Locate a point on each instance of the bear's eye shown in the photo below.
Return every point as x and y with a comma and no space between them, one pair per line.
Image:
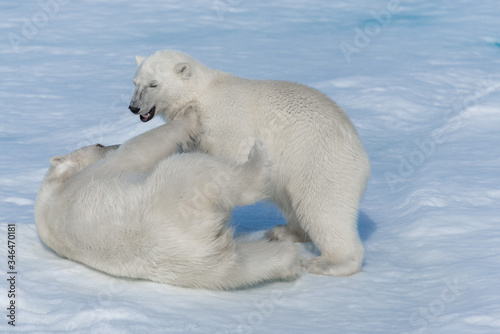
153,84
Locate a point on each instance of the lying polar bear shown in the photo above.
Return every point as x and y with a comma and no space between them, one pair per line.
142,211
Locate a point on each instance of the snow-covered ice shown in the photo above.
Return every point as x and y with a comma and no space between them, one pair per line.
421,82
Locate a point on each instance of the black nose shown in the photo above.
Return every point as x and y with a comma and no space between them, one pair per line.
134,109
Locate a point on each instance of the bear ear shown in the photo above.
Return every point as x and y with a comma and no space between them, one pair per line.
57,160
139,60
183,70
62,167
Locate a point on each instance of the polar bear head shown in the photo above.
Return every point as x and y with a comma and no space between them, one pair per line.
65,166
165,83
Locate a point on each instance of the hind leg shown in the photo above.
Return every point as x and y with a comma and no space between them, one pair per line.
332,226
326,209
333,230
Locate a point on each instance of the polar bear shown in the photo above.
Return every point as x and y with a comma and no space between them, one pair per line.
142,211
320,167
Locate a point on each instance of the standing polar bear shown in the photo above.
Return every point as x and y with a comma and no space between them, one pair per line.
319,166
133,211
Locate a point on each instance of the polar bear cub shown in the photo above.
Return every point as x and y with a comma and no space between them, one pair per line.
320,167
141,211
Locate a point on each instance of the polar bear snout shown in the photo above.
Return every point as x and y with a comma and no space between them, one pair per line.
145,117
133,109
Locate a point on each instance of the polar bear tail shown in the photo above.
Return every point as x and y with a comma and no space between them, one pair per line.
259,261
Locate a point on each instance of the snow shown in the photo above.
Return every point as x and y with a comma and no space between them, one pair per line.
421,82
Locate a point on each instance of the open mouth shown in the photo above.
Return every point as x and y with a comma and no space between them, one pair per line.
149,116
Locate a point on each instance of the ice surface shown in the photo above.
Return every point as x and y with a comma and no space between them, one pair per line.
421,82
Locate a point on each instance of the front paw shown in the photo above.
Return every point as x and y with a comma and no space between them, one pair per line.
323,266
278,233
283,232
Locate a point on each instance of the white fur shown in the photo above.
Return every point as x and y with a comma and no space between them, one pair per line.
142,211
320,168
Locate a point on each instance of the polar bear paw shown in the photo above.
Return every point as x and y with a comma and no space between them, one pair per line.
323,266
288,260
277,233
283,232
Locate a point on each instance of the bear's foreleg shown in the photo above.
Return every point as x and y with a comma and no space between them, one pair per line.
143,152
